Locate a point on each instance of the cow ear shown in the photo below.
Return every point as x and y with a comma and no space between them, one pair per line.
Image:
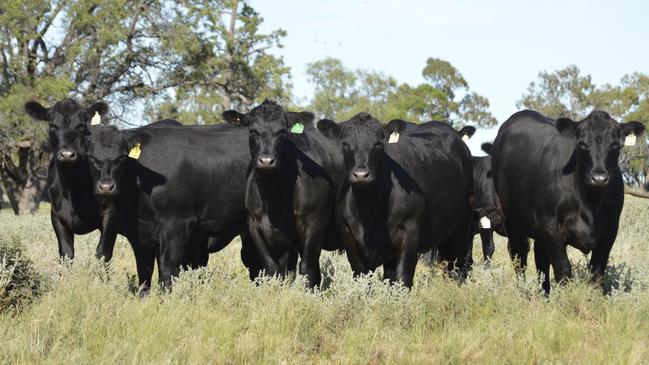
394,126
468,131
139,137
37,111
634,127
306,118
234,117
99,107
329,128
487,148
566,125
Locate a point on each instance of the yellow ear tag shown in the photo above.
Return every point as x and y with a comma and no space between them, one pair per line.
394,137
96,119
630,140
135,152
465,138
485,223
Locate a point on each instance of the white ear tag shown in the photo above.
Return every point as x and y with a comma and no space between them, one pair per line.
96,119
394,137
485,223
465,138
630,140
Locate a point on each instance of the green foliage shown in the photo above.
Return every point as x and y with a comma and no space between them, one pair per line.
225,62
215,315
20,283
341,93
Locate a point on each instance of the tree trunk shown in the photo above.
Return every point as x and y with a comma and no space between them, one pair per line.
26,182
229,57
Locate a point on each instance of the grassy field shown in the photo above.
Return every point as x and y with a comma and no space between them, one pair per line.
85,313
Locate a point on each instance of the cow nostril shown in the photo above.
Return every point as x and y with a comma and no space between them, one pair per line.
361,174
106,187
266,161
600,178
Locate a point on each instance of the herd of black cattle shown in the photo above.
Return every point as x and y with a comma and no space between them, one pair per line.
385,193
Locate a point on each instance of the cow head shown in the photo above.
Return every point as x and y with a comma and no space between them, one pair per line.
68,126
598,141
269,126
362,140
108,150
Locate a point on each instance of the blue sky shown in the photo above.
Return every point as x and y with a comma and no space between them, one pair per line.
498,46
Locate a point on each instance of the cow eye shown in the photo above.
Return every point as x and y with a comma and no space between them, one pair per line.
583,146
345,146
54,127
615,145
378,144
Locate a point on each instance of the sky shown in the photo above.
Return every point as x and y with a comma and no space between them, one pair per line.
498,46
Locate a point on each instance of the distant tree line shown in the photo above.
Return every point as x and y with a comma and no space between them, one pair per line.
191,59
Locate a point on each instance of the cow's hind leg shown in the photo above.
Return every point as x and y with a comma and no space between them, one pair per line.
457,249
250,256
174,239
542,265
518,246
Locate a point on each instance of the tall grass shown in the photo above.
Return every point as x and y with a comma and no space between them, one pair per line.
87,314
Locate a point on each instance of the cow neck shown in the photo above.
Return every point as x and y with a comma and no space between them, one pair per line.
593,197
371,201
75,177
273,185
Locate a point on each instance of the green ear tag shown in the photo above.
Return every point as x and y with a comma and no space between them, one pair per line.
297,128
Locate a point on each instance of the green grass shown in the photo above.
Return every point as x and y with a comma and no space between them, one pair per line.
86,313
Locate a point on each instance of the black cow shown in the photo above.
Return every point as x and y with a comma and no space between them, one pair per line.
191,188
407,190
74,207
559,182
488,216
291,190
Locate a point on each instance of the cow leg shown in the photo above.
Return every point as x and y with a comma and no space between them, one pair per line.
487,238
429,258
200,257
542,265
310,259
518,246
407,260
250,256
109,224
144,259
174,241
457,249
390,270
64,237
600,255
263,253
556,250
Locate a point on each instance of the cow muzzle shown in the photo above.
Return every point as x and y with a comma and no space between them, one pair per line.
598,179
66,155
266,162
106,188
360,176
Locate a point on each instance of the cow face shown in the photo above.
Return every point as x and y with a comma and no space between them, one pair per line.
269,126
598,141
362,140
68,126
108,151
